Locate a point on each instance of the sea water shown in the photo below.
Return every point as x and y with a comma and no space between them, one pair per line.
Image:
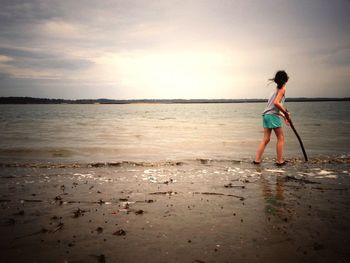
158,132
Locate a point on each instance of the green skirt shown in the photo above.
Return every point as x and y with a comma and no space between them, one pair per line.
271,121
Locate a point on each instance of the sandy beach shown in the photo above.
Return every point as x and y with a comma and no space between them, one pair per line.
191,211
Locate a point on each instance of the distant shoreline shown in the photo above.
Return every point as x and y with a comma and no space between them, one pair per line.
31,100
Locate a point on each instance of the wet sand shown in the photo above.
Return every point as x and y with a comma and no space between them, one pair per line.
191,211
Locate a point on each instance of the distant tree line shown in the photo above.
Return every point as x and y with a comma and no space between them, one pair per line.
31,100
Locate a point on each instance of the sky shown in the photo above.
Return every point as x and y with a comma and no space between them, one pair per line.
169,49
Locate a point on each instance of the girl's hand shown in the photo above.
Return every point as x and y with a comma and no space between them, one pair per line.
287,118
286,121
287,115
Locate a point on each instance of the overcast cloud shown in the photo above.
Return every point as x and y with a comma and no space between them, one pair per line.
173,49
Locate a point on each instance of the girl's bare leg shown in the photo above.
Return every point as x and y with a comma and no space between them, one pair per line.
280,143
262,145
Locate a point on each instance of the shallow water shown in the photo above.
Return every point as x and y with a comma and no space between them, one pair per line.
149,132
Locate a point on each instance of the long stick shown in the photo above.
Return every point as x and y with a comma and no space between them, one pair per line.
299,139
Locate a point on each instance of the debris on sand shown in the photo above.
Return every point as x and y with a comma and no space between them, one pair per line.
146,201
58,199
211,193
330,188
97,165
57,228
32,200
290,178
79,212
230,185
139,212
120,232
164,193
99,230
203,161
168,181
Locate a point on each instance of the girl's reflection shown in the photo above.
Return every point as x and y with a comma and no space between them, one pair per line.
275,205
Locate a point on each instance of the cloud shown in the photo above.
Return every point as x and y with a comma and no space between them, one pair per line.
60,29
39,64
190,49
4,59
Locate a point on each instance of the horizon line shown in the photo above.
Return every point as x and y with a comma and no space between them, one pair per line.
35,100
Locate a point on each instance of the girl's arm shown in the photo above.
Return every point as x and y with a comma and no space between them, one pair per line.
277,102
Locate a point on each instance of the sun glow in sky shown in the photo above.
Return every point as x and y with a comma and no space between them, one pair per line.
189,72
173,49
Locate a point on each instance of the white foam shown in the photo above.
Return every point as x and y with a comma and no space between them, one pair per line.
149,171
309,174
324,172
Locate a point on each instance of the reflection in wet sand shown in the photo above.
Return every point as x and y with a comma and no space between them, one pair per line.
274,195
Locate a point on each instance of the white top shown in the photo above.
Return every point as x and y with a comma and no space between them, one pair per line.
271,108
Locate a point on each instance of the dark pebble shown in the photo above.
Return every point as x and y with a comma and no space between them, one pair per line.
99,230
120,232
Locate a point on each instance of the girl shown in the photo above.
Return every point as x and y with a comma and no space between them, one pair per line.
271,119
